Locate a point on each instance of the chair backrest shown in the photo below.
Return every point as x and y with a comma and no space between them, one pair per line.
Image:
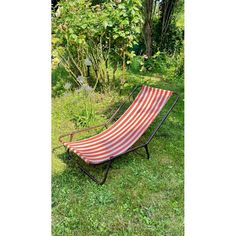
127,129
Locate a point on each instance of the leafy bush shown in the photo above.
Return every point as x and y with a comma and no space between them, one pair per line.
167,66
86,115
103,33
108,33
136,64
60,77
173,42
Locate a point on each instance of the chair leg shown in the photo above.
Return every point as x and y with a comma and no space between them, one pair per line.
146,148
68,156
100,182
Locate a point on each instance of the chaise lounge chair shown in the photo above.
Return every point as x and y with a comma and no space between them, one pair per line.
119,138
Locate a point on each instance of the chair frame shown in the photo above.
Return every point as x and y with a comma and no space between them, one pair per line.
105,125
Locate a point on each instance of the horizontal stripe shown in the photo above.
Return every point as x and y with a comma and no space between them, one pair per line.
121,131
118,124
119,137
128,130
123,144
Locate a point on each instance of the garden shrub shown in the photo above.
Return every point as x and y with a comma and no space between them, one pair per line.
103,33
166,65
60,77
108,33
136,64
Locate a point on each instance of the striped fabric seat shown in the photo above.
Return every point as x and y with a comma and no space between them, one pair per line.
119,137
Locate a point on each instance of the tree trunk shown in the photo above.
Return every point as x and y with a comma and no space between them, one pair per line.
147,29
166,12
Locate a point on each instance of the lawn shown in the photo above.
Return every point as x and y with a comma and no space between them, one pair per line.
140,196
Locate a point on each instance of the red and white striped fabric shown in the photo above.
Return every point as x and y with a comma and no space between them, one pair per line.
125,131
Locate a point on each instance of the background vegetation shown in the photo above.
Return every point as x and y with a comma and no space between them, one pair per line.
122,44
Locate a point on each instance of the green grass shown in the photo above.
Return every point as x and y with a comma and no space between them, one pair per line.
140,196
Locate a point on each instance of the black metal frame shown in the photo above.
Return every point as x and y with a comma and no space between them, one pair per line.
109,161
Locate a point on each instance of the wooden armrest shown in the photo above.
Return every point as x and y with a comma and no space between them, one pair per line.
71,134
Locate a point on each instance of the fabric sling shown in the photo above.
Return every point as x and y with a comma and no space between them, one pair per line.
119,137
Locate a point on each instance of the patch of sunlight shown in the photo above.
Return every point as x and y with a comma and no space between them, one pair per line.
57,166
173,119
155,78
180,21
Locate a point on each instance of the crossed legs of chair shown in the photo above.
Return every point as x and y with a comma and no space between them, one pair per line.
100,182
108,165
85,171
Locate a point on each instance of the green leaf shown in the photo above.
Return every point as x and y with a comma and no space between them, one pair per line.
105,24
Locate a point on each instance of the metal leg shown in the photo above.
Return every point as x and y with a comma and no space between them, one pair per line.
93,177
146,148
68,156
101,182
106,172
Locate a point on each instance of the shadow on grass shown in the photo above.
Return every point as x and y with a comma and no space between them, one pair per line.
72,170
119,165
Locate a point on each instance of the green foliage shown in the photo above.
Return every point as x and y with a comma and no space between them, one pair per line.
87,114
173,42
136,64
109,34
60,77
174,36
168,67
103,33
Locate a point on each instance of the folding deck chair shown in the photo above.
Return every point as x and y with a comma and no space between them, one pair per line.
119,138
